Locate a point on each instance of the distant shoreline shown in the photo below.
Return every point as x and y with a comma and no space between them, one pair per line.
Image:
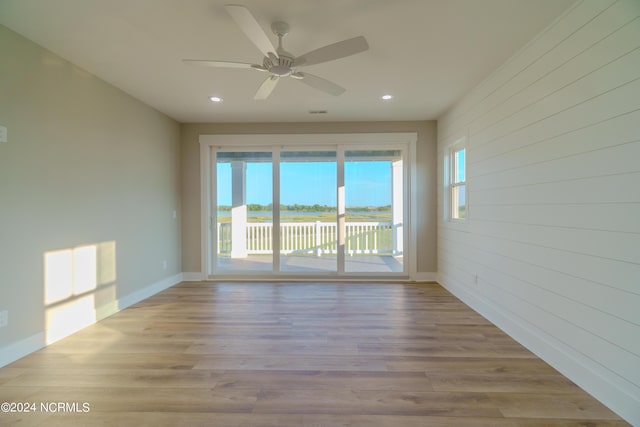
304,213
296,216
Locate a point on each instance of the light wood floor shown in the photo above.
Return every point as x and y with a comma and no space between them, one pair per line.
297,354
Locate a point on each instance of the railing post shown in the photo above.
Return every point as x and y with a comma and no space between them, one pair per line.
238,210
397,208
318,239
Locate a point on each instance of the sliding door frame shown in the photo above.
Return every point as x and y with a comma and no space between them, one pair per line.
210,144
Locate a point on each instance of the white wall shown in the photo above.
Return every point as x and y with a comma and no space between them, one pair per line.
553,231
89,180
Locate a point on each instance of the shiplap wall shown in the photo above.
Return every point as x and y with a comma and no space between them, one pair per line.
550,250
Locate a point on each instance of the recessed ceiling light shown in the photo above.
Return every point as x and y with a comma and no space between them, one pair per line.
215,99
387,97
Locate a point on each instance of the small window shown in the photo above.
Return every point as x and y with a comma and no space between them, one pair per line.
458,184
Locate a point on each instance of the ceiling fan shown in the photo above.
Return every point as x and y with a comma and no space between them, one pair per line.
280,63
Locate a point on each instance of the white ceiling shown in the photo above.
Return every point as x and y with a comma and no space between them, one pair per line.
427,53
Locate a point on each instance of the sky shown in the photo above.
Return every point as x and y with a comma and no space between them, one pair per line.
460,165
308,183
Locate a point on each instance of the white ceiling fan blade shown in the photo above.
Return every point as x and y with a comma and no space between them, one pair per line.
266,87
251,28
222,64
333,51
321,84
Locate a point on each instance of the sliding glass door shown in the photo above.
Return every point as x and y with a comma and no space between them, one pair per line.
292,211
374,210
244,212
308,207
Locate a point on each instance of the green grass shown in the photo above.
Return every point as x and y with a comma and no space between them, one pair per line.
322,217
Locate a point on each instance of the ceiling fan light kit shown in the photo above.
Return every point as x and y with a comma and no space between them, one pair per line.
280,63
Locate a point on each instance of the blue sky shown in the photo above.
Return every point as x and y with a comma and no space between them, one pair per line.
308,183
460,165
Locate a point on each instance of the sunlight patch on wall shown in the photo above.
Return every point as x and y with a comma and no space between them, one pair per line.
84,269
79,288
58,276
69,317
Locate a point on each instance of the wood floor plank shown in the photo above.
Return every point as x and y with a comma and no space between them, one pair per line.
472,365
326,380
116,377
439,421
469,349
43,360
265,346
297,354
152,398
502,383
284,363
550,405
376,402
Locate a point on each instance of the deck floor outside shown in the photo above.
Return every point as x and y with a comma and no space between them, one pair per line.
310,264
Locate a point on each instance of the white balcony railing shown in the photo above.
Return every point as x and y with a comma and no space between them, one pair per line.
316,238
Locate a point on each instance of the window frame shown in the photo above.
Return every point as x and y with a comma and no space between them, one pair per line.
455,185
210,144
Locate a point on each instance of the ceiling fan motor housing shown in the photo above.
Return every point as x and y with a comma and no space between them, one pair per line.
280,67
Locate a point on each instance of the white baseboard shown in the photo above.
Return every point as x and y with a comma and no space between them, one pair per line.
620,397
192,276
148,291
425,277
19,349
416,277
